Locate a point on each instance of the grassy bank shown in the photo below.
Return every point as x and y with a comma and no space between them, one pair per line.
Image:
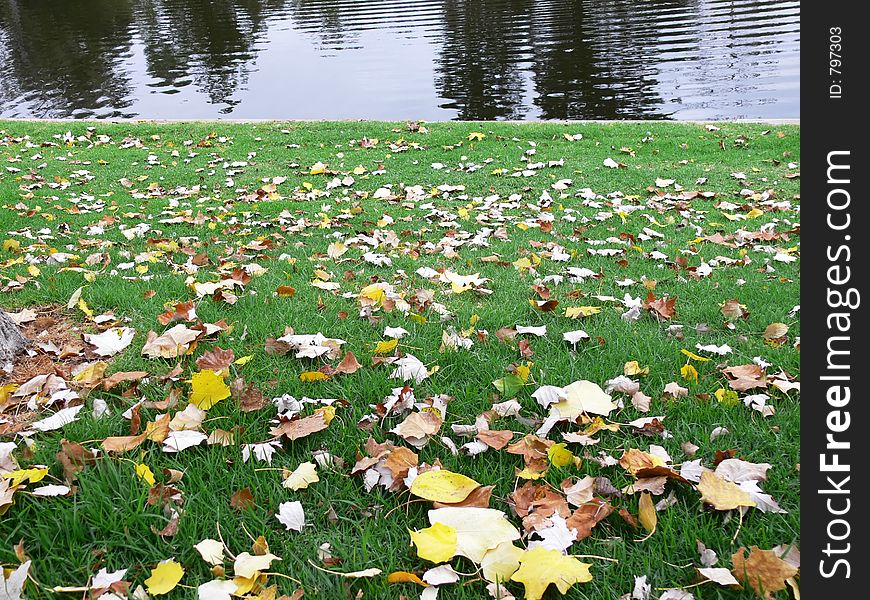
293,222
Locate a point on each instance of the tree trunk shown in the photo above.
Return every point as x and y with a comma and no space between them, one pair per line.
12,342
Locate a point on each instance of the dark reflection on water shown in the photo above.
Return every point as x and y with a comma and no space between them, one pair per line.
403,59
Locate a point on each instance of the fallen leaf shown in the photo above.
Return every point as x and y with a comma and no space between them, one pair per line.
443,486
540,567
763,571
164,577
721,494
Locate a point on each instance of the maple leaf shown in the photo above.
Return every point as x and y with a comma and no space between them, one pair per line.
540,567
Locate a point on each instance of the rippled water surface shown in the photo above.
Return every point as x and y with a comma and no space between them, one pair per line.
405,59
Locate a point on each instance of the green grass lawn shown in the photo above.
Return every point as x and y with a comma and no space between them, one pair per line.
196,187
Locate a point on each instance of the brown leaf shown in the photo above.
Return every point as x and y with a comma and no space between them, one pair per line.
633,460
534,503
135,419
156,431
661,307
588,516
170,529
775,331
184,311
216,359
732,310
525,348
542,291
122,376
399,461
418,427
242,499
248,396
495,439
531,448
763,571
74,458
745,377
300,428
123,443
478,498
349,364
629,518
275,347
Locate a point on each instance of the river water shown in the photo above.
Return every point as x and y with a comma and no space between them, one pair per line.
405,59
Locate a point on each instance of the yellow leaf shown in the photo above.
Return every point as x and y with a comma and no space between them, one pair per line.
478,530
443,486
694,356
523,372
647,512
32,475
11,245
145,474
528,473
476,135
247,565
689,372
243,360
6,391
419,319
328,413
501,562
539,567
727,397
92,374
207,388
164,577
633,368
436,543
373,292
522,264
83,306
721,494
559,455
386,347
317,168
33,270
309,376
754,213
304,475
572,312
